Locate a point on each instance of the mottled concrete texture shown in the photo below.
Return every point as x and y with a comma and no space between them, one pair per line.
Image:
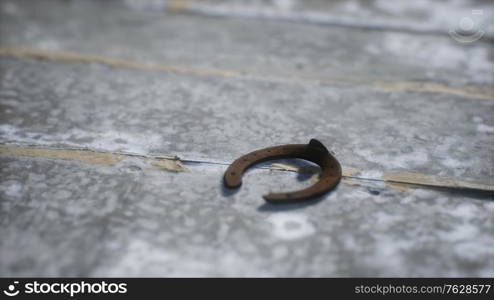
383,85
65,218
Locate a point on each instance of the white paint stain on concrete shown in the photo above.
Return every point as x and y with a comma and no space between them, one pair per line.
401,160
106,140
291,226
477,119
485,128
12,189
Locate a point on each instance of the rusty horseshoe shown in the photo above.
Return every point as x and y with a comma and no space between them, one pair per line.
314,151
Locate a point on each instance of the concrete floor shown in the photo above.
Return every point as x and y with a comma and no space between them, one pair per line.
118,118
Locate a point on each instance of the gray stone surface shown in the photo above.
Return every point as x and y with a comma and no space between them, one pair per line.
383,99
268,48
69,219
436,17
219,119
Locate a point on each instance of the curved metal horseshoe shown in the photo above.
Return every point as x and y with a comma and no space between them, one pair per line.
314,151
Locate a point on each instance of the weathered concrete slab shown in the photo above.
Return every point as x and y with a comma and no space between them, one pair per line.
259,48
386,94
436,17
62,218
219,119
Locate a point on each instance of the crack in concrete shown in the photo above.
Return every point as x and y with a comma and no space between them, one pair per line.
88,156
70,57
400,181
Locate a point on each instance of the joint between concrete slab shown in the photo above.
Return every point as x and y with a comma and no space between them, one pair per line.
164,162
397,180
403,86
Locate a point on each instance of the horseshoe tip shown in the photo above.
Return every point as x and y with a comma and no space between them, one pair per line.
232,182
317,144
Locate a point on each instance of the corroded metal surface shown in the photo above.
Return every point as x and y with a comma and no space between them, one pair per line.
314,151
